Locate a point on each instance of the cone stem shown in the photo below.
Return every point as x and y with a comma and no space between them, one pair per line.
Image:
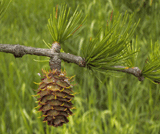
55,61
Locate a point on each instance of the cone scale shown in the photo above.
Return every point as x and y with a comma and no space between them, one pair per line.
55,95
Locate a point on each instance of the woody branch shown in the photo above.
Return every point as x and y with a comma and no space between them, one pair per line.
20,50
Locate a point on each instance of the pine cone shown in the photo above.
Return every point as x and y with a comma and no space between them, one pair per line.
55,98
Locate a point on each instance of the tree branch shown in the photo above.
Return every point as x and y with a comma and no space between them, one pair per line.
19,51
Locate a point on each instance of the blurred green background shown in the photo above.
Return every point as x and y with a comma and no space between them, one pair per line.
118,104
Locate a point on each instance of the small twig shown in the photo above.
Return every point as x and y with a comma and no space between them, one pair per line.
70,58
134,70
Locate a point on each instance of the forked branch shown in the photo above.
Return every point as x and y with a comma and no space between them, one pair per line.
20,50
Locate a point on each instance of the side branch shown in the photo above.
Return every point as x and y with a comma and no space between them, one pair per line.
134,71
70,58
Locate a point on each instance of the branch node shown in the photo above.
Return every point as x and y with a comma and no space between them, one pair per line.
55,61
18,51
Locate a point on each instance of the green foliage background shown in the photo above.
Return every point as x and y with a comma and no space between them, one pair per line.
119,104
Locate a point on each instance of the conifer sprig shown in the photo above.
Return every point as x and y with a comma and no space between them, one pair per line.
62,25
132,48
104,53
151,69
